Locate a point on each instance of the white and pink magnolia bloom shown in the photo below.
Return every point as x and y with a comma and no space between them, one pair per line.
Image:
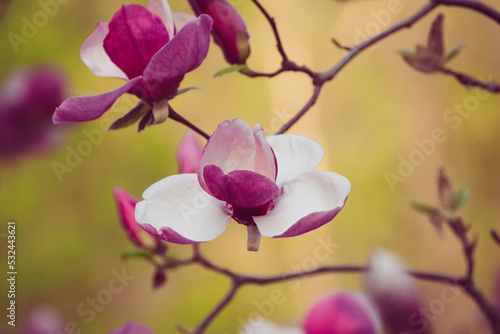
268,184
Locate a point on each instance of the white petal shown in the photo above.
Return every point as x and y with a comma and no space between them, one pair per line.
95,57
178,203
267,327
162,9
305,203
181,19
295,155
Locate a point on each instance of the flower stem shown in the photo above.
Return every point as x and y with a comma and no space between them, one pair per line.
253,238
178,118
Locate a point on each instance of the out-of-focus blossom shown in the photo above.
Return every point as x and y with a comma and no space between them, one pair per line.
144,47
189,154
27,101
42,320
126,204
342,313
229,31
394,293
132,327
267,327
269,186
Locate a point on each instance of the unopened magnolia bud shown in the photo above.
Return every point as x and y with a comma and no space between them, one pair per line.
229,30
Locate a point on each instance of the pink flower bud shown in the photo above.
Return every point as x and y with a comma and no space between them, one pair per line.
189,154
229,30
342,313
126,206
394,293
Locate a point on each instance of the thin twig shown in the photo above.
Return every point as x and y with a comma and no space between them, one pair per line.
309,104
218,309
178,118
272,23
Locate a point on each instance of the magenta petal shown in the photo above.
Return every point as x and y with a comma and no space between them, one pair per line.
241,188
343,312
182,54
87,108
132,327
95,57
135,35
126,206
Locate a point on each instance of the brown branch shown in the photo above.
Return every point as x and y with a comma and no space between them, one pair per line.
178,118
473,5
272,23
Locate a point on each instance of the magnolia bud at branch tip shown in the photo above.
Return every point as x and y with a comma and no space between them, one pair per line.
229,30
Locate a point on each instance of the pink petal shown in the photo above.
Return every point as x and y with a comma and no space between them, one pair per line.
189,154
295,155
126,206
135,35
265,161
231,147
162,9
241,188
304,204
342,313
132,327
176,209
87,108
95,57
182,54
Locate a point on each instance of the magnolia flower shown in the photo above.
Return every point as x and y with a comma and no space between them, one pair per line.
144,47
394,293
342,313
27,102
132,327
229,32
267,184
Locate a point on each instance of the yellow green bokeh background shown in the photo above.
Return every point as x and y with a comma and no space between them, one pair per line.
68,235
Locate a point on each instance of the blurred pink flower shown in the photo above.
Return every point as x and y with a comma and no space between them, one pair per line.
394,293
132,327
189,154
342,313
229,31
27,101
143,47
41,320
269,185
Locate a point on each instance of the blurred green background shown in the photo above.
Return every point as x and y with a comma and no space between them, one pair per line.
371,115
